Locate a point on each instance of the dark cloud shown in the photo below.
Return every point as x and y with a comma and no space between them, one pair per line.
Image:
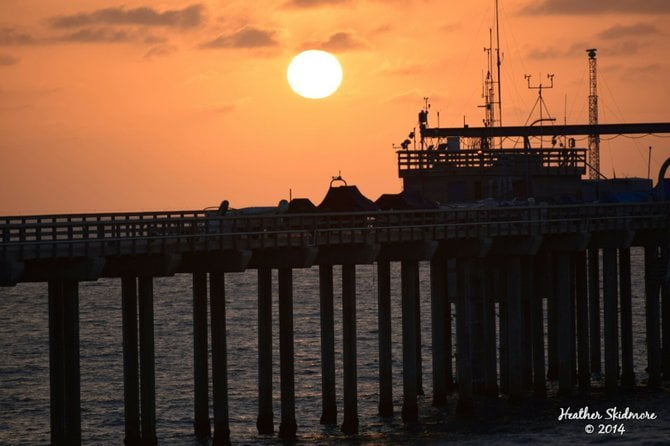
340,41
598,6
108,35
6,59
313,3
11,36
248,37
617,31
188,17
161,50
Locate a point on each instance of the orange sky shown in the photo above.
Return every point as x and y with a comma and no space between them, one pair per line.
163,105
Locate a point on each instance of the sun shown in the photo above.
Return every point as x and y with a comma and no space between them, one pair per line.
314,74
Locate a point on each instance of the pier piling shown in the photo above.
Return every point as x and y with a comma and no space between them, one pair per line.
514,333
465,404
626,317
582,309
147,361
329,407
651,287
438,301
200,354
594,309
384,321
217,300
610,312
350,388
541,288
265,422
131,387
409,342
564,319
287,427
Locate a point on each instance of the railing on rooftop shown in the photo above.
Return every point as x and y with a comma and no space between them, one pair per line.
547,161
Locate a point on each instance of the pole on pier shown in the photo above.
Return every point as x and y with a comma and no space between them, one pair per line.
541,290
594,309
350,388
489,330
610,318
264,422
64,371
409,357
626,313
200,372
582,304
384,321
329,409
147,361
417,303
217,301
287,427
465,405
651,287
56,363
514,332
438,303
131,389
564,319
665,293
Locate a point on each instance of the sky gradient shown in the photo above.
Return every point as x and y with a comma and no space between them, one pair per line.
165,105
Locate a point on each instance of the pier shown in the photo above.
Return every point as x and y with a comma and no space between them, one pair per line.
520,265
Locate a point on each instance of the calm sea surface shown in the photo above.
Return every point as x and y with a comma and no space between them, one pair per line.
24,371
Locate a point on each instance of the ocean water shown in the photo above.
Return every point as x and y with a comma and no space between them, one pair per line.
24,371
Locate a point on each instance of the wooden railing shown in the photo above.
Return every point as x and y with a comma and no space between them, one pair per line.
555,161
49,236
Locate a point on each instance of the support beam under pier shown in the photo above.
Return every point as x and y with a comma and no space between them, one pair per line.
131,383
384,321
64,371
594,309
610,311
147,361
582,309
438,301
465,403
265,422
350,388
626,316
564,320
408,272
288,426
329,408
651,287
200,354
219,359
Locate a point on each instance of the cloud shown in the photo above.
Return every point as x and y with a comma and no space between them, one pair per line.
163,49
188,17
302,4
108,35
597,7
617,31
11,36
247,37
6,60
340,41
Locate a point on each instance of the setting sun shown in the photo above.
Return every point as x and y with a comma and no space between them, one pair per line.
314,74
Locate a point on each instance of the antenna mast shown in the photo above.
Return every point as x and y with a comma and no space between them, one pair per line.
594,140
498,66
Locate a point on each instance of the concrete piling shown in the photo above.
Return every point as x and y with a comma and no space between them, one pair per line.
465,404
329,407
200,355
409,342
217,300
265,422
610,309
147,361
626,318
131,387
514,332
438,304
288,426
541,288
594,309
651,287
350,388
564,319
582,310
384,321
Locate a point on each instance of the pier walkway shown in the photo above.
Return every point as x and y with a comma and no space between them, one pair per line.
527,265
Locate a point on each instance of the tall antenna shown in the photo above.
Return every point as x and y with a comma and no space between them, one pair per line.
594,140
498,65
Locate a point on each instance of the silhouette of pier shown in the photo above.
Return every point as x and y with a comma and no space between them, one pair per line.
531,264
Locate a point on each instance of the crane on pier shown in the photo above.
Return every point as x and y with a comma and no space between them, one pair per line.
594,139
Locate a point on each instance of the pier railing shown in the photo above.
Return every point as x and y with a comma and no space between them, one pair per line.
547,161
49,236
